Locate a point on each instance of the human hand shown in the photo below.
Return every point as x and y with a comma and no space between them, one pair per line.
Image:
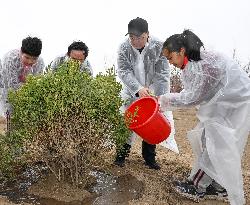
163,102
158,98
144,92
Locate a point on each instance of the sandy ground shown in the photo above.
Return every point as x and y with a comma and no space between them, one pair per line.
157,188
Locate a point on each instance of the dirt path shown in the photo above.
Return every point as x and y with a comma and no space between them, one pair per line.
158,184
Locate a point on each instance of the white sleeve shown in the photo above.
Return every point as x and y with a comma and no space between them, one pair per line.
201,81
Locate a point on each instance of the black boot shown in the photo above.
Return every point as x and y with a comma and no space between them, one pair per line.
148,153
121,155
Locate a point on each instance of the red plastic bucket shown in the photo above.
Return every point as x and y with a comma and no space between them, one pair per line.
144,118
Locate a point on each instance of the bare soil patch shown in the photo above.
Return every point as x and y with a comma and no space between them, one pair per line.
152,187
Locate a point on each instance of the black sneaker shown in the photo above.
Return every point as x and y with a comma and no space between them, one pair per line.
153,165
188,190
216,194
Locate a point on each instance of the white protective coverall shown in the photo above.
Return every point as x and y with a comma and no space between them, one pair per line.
146,69
222,90
10,74
85,65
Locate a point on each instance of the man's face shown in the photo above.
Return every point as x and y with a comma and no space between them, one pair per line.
175,58
28,60
77,55
138,42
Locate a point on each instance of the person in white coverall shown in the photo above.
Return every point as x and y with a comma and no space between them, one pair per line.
17,65
76,51
143,71
221,91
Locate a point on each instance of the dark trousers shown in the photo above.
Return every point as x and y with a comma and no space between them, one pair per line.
148,152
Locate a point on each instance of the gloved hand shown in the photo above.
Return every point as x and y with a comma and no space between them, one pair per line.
163,101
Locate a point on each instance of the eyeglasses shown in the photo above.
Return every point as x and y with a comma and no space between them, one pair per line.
137,38
78,59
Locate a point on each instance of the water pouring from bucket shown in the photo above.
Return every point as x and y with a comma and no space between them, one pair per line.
144,118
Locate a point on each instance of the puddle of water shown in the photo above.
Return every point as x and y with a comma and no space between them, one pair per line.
116,190
16,190
108,189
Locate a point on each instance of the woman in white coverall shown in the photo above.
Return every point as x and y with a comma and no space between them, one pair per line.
222,90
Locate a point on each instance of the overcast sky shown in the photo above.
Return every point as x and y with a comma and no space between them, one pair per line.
222,25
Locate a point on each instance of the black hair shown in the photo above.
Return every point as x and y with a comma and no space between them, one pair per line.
187,40
79,46
31,46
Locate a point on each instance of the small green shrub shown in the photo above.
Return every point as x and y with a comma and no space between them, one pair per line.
68,119
10,146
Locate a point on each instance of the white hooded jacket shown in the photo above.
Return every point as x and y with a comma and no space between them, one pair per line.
146,69
222,90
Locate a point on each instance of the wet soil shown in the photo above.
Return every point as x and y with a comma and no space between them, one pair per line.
36,186
134,184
